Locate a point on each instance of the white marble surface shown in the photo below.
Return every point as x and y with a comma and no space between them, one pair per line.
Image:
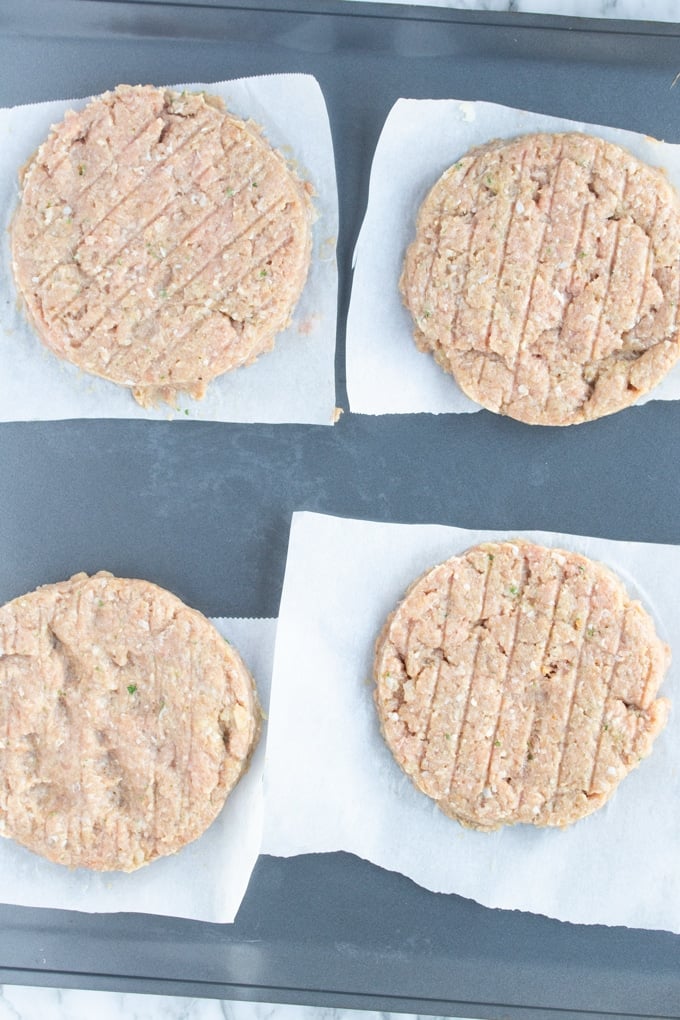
639,10
24,1003
18,1002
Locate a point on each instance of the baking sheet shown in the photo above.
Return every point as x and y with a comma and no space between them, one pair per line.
206,509
343,578
36,385
386,373
208,878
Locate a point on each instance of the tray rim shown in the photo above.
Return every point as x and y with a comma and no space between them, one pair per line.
294,996
422,12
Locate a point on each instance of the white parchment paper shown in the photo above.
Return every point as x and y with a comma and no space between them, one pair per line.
332,784
386,374
207,879
293,383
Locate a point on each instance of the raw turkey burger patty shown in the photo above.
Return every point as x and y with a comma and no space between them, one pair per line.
518,684
545,276
125,720
159,241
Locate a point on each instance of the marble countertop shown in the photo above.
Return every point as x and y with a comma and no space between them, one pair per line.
18,1002
30,1003
23,1003
638,10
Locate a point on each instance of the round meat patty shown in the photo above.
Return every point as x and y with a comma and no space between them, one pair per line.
125,720
518,684
545,277
159,241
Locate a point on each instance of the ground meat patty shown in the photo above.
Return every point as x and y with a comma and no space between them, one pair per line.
545,276
125,720
518,684
159,241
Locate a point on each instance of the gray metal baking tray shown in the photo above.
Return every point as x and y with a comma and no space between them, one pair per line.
204,508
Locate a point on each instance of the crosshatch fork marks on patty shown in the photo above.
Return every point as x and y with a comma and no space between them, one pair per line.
516,683
545,277
160,241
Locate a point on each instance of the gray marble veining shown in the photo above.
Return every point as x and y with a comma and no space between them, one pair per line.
639,10
19,1002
